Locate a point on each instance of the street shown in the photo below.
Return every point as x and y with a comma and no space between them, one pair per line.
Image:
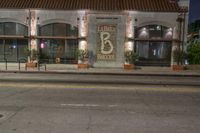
98,108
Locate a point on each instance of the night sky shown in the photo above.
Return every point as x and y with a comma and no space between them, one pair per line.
194,10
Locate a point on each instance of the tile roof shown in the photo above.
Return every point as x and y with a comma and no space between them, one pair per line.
99,5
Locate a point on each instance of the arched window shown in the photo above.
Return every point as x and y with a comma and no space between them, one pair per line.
58,43
11,28
154,32
153,45
58,29
12,41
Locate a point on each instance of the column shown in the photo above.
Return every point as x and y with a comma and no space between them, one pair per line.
175,43
129,43
33,30
83,46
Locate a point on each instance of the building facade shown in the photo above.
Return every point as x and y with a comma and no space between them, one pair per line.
57,29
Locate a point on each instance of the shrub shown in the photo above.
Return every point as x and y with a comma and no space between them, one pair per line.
130,56
82,54
194,53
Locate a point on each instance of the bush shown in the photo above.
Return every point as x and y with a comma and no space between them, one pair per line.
82,54
194,53
130,56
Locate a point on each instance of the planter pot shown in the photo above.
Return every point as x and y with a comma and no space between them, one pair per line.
31,65
83,66
129,66
178,67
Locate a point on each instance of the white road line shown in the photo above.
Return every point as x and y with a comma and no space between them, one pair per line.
87,105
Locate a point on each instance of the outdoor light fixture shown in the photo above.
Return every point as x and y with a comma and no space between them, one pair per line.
83,45
129,46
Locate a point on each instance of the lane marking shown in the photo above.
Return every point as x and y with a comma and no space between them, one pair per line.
88,105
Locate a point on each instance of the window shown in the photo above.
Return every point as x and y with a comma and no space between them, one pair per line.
153,44
58,29
10,28
13,49
154,32
1,29
46,30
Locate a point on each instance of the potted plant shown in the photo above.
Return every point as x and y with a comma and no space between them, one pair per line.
32,57
82,56
178,56
130,59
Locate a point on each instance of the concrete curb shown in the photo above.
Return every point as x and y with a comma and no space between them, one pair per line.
108,82
109,73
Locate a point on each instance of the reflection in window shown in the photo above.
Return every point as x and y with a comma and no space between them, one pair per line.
143,33
154,32
150,50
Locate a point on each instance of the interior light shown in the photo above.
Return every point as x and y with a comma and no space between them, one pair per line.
42,45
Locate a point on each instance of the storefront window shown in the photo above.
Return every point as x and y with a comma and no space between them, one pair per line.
1,29
58,50
153,50
153,44
13,49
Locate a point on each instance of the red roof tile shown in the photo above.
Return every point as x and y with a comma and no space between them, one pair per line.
102,5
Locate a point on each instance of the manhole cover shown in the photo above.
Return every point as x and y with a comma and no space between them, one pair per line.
1,115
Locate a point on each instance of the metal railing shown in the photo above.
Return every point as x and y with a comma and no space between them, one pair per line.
24,60
40,64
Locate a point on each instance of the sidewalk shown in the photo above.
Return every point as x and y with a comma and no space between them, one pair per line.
72,69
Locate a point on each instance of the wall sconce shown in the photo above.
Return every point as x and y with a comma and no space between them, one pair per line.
129,46
38,22
83,44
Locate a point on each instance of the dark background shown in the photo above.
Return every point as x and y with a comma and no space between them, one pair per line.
194,10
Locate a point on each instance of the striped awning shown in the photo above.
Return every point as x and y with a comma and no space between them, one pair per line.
99,5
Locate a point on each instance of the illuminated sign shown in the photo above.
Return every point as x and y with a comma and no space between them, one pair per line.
106,42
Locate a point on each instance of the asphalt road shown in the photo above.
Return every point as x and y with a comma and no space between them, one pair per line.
90,108
100,79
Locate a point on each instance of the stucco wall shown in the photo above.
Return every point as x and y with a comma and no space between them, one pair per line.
17,15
